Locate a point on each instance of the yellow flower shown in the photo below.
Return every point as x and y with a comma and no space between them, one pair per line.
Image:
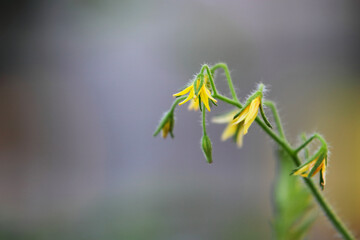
308,167
166,125
239,126
248,115
204,94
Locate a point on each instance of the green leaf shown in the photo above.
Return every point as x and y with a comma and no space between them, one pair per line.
293,205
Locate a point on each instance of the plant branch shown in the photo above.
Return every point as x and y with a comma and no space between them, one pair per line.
282,141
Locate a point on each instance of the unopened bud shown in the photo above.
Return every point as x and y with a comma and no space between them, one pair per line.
207,148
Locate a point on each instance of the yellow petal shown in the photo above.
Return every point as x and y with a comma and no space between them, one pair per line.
208,93
254,107
253,111
198,83
165,129
183,92
206,78
318,169
194,105
191,95
204,98
304,169
229,131
239,137
323,170
225,118
241,116
248,124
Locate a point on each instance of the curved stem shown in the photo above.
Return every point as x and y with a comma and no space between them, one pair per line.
228,77
275,113
306,151
215,92
175,103
321,139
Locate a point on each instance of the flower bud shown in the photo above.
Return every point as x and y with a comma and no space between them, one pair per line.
207,148
166,125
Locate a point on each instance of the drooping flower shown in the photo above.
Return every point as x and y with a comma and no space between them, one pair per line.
238,127
248,115
316,164
204,93
166,125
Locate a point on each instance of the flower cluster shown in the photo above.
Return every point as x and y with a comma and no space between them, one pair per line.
201,92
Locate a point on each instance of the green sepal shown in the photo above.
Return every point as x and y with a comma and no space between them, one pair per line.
263,115
200,105
206,147
213,102
247,103
308,161
236,133
172,123
168,116
317,164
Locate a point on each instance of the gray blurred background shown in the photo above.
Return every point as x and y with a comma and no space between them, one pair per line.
84,84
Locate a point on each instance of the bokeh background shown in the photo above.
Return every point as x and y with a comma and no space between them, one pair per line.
84,84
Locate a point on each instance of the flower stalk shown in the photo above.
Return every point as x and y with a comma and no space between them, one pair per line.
206,145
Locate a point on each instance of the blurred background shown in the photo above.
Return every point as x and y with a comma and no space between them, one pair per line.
83,85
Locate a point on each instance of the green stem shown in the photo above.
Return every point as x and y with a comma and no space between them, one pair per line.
228,77
306,151
277,119
333,218
176,102
281,141
322,140
213,87
228,100
204,120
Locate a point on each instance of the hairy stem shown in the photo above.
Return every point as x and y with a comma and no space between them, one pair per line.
204,120
228,77
277,119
